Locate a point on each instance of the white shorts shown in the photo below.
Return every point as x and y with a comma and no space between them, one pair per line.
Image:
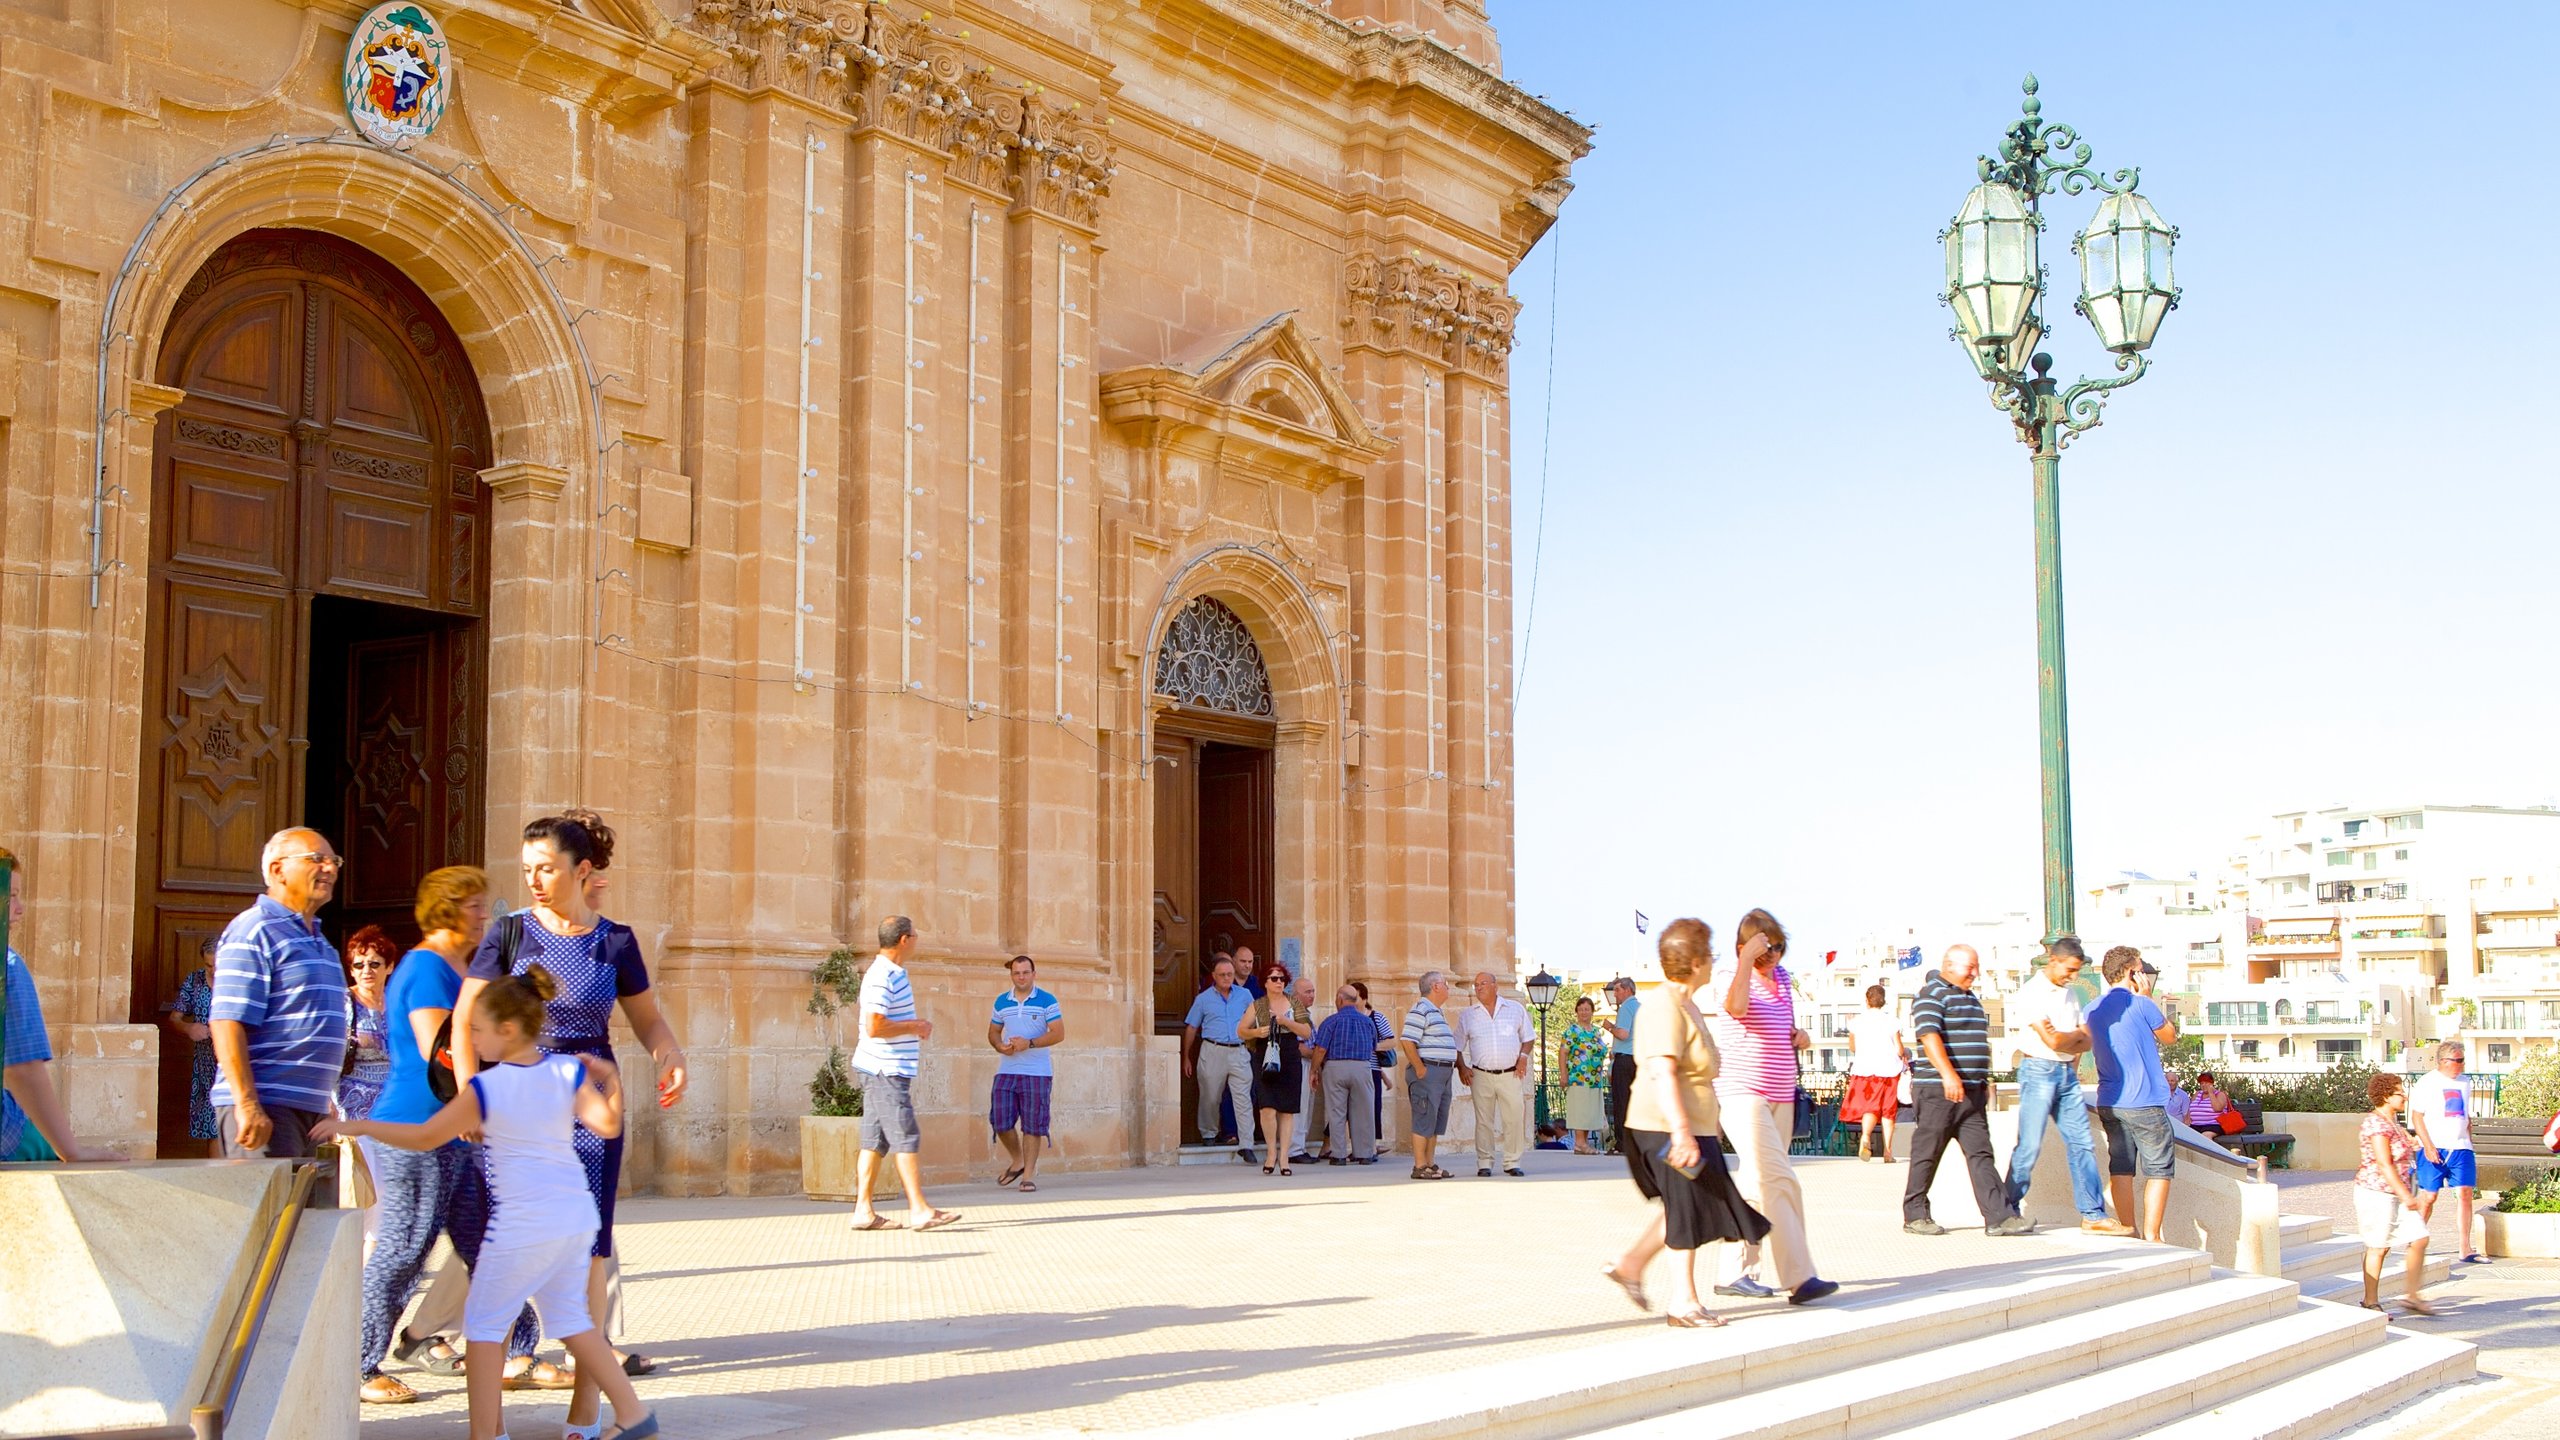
550,1273
2385,1223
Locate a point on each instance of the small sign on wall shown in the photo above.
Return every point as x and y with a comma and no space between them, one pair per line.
1289,956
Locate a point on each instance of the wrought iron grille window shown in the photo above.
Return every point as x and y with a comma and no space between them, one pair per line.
1208,659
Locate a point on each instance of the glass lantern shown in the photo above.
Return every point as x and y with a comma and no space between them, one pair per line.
1993,277
2126,285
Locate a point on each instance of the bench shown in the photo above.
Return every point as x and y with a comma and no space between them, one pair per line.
2255,1139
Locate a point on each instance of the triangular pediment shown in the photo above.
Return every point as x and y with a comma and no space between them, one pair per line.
1273,371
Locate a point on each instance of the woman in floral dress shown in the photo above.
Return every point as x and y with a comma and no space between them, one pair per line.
1586,1079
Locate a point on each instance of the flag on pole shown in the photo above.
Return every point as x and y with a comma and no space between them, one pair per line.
1909,959
1640,922
1828,956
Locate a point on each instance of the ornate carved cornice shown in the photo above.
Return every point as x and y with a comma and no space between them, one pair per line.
895,72
1407,303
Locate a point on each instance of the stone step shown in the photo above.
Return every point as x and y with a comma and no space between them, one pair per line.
1207,1155
2321,1261
2327,1399
1885,1397
2127,1399
1578,1392
2303,1229
2346,1287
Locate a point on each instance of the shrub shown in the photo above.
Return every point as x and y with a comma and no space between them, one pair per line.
834,983
2535,1194
2532,1090
2338,1090
833,1091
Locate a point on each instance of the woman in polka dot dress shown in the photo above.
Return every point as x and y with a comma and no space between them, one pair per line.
597,965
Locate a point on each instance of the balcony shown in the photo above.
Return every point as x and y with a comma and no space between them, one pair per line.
2546,938
2324,942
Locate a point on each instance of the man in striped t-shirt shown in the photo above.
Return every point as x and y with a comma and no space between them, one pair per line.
1954,1032
891,1044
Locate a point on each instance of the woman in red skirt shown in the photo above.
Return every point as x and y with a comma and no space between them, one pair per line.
1877,1058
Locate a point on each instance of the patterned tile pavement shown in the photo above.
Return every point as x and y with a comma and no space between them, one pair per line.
1129,1300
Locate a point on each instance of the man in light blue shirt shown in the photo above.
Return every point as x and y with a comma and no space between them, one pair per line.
42,1129
1211,1053
1026,1021
886,1057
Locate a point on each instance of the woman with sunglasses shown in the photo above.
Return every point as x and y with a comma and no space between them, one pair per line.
1271,1033
370,956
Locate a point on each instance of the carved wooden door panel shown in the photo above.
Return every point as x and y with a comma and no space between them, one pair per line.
1177,864
326,454
1236,845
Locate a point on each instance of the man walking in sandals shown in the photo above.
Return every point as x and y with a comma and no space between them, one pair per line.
892,1041
1025,1023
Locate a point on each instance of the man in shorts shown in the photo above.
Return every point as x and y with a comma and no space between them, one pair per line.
886,1057
1025,1023
1431,1071
2440,1113
2126,1031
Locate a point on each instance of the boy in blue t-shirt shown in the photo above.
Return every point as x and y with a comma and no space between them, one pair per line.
2126,1031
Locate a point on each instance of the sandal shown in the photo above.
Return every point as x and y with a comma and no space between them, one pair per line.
440,1359
540,1375
877,1222
1027,1187
1634,1289
938,1219
2415,1306
647,1429
1285,1170
384,1390
1267,1170
1700,1319
636,1365
1008,1177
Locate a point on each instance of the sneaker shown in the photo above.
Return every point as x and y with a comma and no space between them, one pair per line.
2104,1226
1812,1290
1923,1226
2014,1225
1484,1173
1746,1288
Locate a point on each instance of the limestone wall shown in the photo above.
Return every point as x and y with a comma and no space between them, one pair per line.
914,679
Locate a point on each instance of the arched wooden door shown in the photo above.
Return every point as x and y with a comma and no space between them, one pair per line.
319,600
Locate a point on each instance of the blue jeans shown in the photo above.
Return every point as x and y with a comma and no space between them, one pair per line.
2052,1088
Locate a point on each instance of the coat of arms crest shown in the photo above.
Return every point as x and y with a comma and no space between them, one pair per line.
398,74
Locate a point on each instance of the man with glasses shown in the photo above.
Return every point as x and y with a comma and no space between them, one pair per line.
2440,1113
280,1006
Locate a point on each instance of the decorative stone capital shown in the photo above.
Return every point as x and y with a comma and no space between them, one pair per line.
1411,304
144,401
1301,732
517,482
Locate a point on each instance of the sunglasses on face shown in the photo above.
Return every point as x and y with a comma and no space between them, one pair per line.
368,964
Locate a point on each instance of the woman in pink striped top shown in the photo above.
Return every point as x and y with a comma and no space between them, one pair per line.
1752,1015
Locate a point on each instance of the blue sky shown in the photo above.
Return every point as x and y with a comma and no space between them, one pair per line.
1784,638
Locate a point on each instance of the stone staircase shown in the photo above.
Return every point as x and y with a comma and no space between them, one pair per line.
2331,1267
2101,1340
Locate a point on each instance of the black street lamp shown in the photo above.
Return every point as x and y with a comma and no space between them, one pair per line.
1542,988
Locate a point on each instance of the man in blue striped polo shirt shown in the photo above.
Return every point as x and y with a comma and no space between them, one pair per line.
1431,1071
886,1057
1954,1032
279,1014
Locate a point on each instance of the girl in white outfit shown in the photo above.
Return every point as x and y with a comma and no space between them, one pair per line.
526,1108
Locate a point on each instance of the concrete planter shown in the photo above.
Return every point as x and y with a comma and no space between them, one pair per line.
830,1151
2522,1237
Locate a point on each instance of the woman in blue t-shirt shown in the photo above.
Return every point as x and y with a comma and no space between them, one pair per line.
411,1189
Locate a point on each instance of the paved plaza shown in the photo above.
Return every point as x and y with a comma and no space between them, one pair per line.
1141,1300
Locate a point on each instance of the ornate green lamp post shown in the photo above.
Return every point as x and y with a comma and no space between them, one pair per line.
1996,285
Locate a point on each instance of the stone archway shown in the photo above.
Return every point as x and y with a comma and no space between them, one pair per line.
542,424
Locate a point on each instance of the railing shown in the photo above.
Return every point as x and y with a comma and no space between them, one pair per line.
222,1391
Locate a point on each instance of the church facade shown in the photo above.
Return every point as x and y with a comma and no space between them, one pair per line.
1039,466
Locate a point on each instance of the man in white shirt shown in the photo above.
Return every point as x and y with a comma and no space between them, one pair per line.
2440,1113
1493,1055
2051,1035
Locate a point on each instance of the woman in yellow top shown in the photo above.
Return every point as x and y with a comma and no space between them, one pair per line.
1672,1148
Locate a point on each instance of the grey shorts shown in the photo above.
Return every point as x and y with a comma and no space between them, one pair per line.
288,1133
2138,1141
889,1114
1429,1097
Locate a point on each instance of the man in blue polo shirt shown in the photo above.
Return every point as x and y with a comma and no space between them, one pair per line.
1211,1053
1025,1022
280,1006
33,1124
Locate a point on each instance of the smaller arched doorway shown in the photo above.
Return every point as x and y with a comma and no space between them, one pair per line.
1216,840
317,651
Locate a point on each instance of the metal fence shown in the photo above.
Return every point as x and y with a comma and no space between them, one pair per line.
2483,1091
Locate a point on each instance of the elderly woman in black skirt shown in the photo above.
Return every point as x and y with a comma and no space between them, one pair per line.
1671,1144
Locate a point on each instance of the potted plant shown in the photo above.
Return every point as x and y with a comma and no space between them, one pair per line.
831,1133
2525,1223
